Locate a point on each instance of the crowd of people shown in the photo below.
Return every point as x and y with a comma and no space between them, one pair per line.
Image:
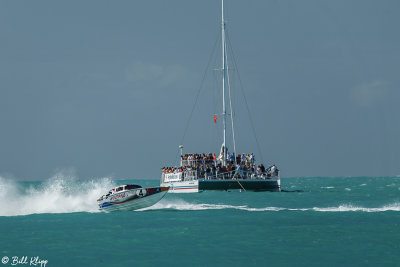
210,167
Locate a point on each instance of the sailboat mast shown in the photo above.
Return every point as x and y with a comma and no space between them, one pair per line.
223,79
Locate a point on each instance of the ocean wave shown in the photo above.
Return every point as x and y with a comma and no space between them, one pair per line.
59,194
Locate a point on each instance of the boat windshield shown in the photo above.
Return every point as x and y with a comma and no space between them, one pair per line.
132,186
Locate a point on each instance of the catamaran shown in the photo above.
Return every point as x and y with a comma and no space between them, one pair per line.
227,171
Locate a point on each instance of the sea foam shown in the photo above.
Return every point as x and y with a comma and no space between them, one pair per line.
59,194
181,205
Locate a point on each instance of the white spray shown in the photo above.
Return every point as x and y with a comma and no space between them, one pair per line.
59,194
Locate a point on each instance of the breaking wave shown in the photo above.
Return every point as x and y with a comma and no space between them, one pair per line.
59,194
182,205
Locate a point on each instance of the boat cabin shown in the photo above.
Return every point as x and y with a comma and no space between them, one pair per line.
119,189
125,187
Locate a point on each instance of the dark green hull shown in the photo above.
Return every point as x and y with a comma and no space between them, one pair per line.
243,184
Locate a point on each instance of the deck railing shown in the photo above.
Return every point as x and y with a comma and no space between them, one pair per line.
197,162
239,175
190,175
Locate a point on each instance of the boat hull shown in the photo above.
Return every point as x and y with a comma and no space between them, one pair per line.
241,184
196,186
138,199
183,186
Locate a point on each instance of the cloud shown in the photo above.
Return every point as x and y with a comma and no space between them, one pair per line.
156,74
372,93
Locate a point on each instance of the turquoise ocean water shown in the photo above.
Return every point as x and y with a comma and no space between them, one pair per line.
313,222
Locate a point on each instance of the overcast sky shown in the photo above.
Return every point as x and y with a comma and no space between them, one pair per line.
106,87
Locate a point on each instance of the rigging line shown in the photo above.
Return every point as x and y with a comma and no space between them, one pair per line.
241,186
245,99
230,106
198,94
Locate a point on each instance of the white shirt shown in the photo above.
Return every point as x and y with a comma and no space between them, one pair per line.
273,169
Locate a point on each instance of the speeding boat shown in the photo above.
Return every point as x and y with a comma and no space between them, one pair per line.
131,197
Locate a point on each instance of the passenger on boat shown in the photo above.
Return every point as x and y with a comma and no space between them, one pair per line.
247,161
276,172
258,171
262,168
273,169
232,158
238,159
243,158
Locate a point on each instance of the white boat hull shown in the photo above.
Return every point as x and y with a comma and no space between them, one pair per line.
195,186
182,186
133,199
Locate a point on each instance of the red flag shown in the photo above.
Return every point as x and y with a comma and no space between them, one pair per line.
215,118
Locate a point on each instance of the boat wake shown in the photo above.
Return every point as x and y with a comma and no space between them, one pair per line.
59,194
346,208
182,205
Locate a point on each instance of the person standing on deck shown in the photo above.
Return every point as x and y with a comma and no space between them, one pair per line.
232,158
238,159
262,168
258,171
252,158
248,160
243,158
273,169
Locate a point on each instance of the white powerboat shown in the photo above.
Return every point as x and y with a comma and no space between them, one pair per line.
131,197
